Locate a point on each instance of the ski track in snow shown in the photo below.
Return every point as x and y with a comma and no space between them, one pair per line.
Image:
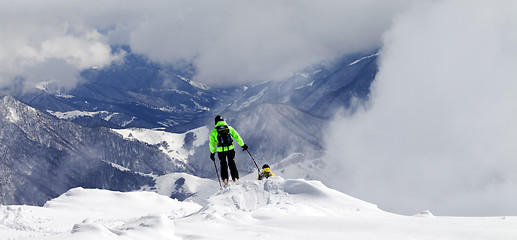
252,209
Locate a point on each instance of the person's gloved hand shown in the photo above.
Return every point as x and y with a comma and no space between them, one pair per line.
244,147
212,156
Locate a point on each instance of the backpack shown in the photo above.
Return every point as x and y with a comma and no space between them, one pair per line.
224,137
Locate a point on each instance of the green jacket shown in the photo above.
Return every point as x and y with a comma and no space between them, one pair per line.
213,139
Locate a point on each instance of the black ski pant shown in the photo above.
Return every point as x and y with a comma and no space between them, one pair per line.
227,160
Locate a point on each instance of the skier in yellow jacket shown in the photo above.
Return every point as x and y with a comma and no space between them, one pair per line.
222,136
266,172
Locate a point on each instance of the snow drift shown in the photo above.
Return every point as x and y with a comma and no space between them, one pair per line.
276,208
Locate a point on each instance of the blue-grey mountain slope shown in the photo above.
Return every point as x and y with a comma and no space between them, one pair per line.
319,90
42,157
135,93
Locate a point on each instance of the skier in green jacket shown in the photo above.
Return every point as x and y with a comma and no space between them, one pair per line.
222,136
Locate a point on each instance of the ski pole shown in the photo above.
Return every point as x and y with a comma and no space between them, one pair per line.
218,178
258,169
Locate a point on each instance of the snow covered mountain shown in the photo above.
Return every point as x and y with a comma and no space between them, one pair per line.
319,90
135,93
142,94
276,208
43,157
164,118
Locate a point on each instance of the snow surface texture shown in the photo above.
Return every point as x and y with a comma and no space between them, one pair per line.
272,209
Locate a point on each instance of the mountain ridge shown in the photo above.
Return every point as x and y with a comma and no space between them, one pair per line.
43,157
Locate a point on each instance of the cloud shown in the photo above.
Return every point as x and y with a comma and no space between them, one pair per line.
246,41
439,132
33,38
231,41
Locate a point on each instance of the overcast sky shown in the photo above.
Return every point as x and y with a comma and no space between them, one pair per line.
440,130
231,41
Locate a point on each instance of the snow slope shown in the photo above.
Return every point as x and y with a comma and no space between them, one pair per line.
177,146
93,213
184,186
271,209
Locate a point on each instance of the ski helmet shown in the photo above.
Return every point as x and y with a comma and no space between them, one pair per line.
218,118
265,166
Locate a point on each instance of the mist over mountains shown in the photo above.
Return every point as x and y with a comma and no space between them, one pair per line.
63,139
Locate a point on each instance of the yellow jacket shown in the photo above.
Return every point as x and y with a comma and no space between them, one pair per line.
266,173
